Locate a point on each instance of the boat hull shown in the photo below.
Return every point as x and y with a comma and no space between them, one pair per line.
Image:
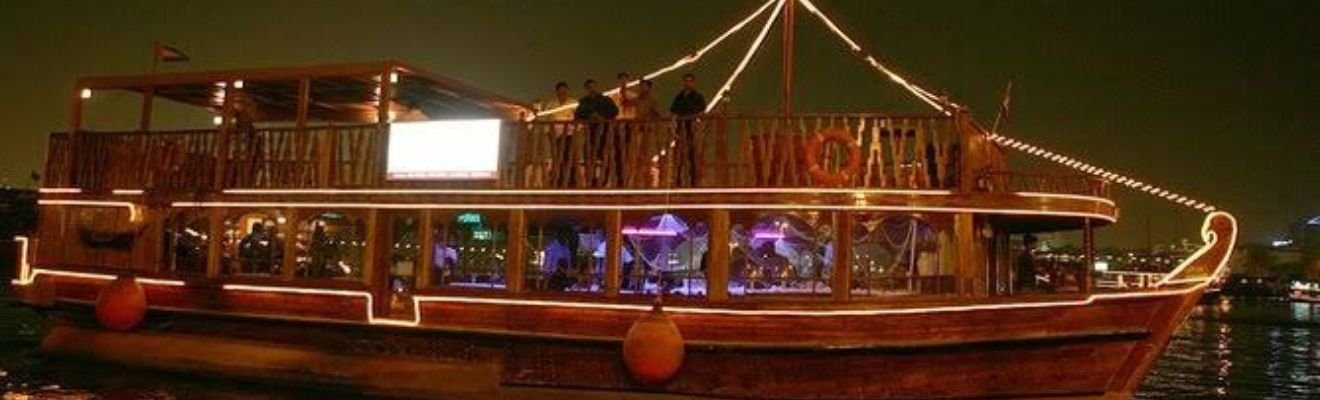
1052,346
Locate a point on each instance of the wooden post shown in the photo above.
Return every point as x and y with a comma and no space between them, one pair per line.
76,158
383,126
148,97
1088,262
517,256
427,239
788,26
722,152
222,142
717,266
147,252
841,279
967,271
216,223
613,250
76,110
300,132
289,228
369,264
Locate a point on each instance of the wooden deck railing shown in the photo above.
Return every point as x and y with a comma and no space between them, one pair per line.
913,152
187,161
898,152
1009,181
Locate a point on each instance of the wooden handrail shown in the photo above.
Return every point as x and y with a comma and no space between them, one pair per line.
1014,181
904,152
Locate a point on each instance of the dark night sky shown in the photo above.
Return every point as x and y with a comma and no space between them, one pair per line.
1215,99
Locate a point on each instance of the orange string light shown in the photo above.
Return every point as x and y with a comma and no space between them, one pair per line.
1101,173
687,59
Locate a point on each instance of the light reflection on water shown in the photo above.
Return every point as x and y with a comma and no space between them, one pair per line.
1241,349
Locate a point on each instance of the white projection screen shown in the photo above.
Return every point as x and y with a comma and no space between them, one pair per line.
444,150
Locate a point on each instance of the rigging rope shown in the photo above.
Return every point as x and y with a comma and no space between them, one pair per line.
687,59
747,57
923,94
1101,173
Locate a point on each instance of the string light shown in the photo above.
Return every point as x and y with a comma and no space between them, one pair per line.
747,57
917,91
687,59
1098,172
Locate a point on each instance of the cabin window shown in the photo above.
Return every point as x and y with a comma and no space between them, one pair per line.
405,251
900,255
469,249
331,245
664,252
254,243
781,253
566,254
187,239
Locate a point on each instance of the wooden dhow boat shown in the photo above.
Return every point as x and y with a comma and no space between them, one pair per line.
379,228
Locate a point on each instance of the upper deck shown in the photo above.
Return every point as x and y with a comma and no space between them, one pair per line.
302,134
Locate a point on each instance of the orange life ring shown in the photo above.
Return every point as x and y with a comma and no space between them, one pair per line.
837,178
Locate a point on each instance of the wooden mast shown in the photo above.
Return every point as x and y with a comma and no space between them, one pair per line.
788,43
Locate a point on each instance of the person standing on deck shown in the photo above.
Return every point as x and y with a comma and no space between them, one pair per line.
624,98
1024,266
559,134
687,106
562,101
645,110
594,108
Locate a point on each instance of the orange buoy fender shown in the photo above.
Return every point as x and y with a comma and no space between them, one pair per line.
653,347
818,172
122,304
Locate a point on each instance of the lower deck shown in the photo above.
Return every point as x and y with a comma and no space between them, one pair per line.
693,246
849,339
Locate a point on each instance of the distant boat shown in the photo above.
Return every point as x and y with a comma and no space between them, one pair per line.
1304,291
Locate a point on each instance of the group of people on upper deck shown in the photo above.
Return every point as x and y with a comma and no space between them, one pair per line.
630,102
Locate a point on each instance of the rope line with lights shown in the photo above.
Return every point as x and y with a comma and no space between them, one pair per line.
687,59
747,57
922,94
1101,173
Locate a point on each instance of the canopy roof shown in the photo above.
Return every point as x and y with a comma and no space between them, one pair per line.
337,92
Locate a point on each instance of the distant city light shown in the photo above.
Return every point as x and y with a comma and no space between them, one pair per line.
1281,243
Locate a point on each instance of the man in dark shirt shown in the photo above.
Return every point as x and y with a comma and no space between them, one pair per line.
688,103
595,108
687,106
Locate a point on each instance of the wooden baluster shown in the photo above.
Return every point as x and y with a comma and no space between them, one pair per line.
743,168
759,145
526,174
922,161
878,150
779,162
941,140
895,158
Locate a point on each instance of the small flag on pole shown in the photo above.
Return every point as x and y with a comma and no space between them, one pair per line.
1003,116
166,53
1008,99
